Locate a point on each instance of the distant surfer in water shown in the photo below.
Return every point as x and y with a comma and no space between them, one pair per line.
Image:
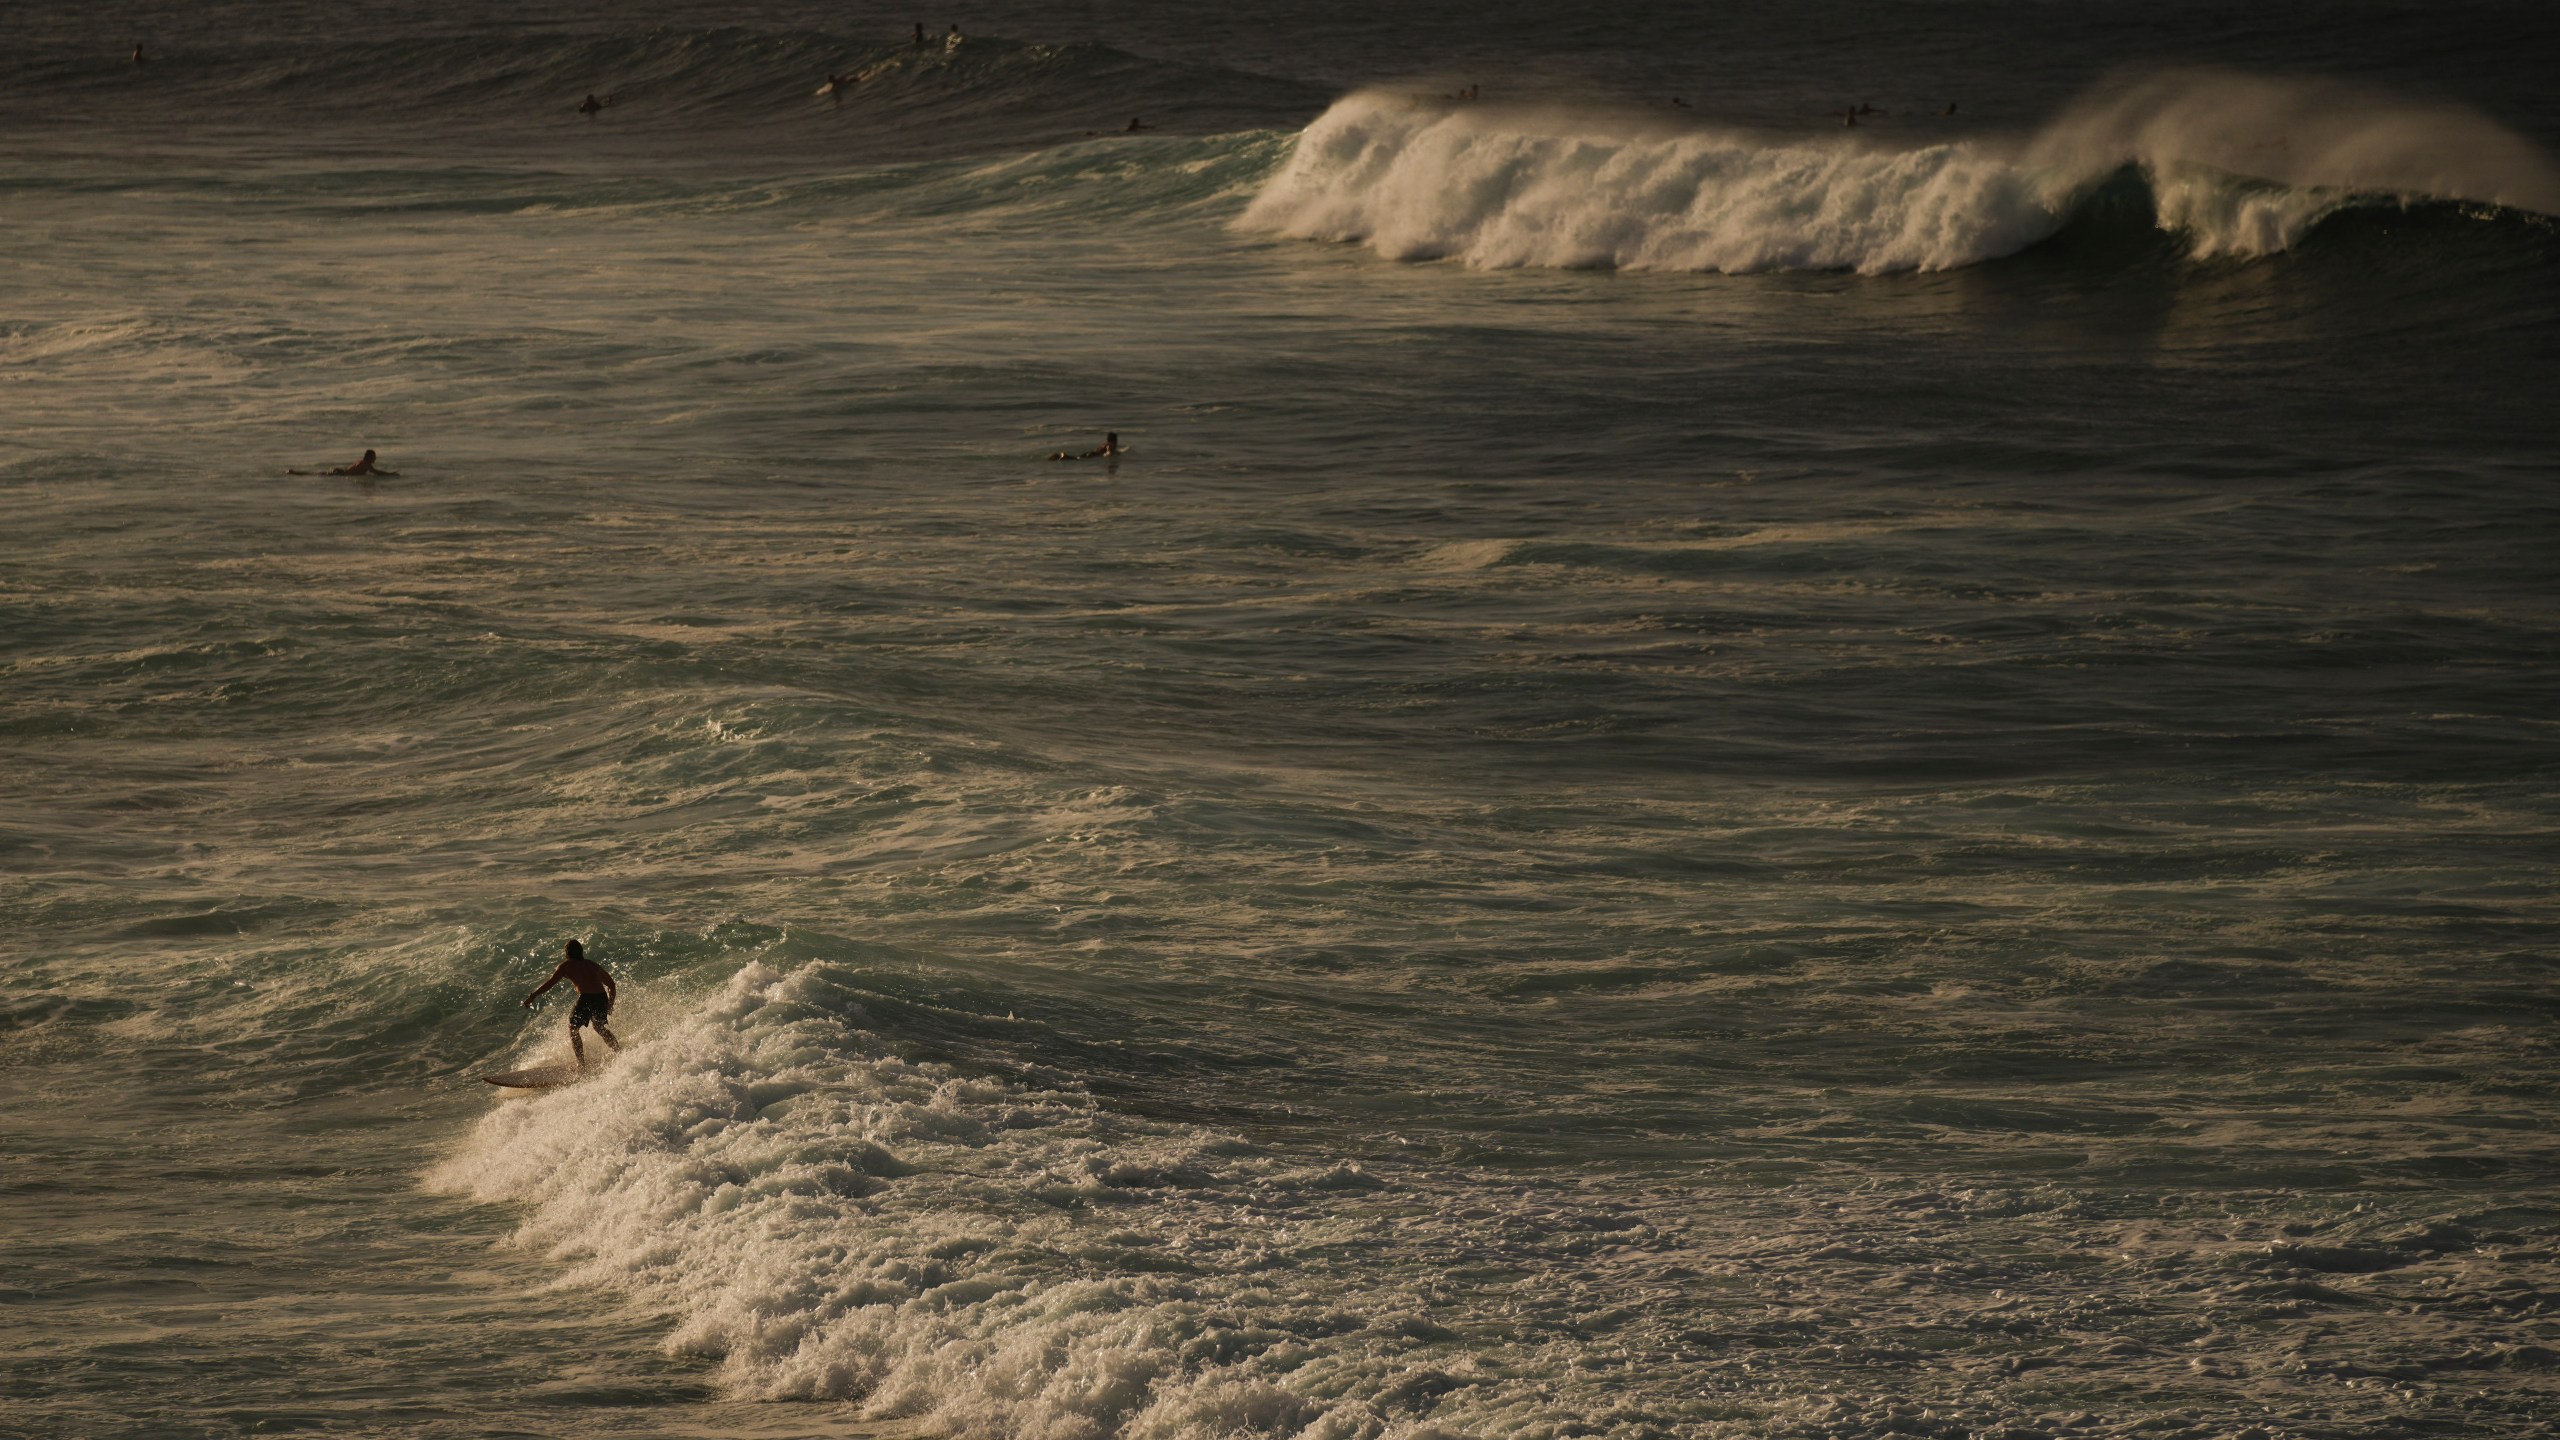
137,54
919,32
1137,124
364,466
595,997
590,106
837,85
1109,447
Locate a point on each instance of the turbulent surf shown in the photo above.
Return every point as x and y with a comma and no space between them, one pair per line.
1706,774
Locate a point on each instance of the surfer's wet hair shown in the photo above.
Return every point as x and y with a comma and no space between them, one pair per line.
575,951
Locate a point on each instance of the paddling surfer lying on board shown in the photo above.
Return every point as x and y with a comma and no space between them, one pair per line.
1110,446
364,466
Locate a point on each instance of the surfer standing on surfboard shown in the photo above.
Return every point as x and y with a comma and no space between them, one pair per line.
595,997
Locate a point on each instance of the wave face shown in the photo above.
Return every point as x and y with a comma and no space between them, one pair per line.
1502,188
738,95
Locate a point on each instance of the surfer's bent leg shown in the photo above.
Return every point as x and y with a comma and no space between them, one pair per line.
590,1010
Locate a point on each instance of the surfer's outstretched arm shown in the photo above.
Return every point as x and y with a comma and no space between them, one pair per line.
545,985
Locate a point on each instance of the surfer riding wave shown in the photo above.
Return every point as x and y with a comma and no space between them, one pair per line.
596,992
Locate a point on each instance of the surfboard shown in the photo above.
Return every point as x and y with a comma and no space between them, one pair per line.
540,1077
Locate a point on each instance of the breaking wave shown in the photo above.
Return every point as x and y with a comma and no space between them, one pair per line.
2233,165
1007,1260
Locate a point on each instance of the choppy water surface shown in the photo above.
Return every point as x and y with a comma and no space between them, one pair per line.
1704,776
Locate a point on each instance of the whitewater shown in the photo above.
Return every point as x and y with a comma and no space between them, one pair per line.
1707,774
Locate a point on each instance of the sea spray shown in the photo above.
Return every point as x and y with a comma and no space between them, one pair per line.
2324,137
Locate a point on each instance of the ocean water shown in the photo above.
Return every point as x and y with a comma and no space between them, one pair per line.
1708,773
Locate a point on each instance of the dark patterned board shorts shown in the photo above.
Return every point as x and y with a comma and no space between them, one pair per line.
591,1010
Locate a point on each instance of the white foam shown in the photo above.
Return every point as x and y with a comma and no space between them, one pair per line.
1504,188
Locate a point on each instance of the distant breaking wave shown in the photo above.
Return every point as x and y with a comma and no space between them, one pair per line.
2235,165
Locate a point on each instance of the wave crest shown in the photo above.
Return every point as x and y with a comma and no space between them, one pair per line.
1503,189
2234,165
2320,136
